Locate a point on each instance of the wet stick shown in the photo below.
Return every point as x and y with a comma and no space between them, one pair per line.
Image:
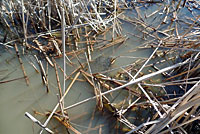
44,76
49,13
147,61
62,71
130,105
184,3
62,98
57,47
38,122
115,41
37,71
114,20
61,107
139,16
63,42
88,45
43,51
77,38
150,100
77,69
24,23
47,80
6,81
97,90
89,53
57,78
66,124
43,73
22,66
57,9
79,61
178,5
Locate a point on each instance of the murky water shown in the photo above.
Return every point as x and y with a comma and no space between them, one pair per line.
16,97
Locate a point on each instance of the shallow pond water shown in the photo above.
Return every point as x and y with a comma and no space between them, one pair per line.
16,97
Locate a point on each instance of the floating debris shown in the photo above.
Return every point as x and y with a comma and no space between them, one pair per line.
163,84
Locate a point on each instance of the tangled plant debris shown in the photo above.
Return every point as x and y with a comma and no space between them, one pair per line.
165,84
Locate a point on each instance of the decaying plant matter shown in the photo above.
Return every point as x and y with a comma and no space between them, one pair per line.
166,84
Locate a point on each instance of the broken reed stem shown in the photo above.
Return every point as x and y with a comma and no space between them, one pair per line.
47,80
117,40
66,124
44,76
37,71
62,98
57,78
24,23
62,70
75,70
150,100
49,13
61,105
147,60
88,44
44,52
43,73
6,81
96,89
37,122
114,20
22,66
63,41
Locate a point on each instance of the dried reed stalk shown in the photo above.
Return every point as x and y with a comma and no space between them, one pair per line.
22,66
61,99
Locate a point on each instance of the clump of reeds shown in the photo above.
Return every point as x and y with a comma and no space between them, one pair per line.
32,22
